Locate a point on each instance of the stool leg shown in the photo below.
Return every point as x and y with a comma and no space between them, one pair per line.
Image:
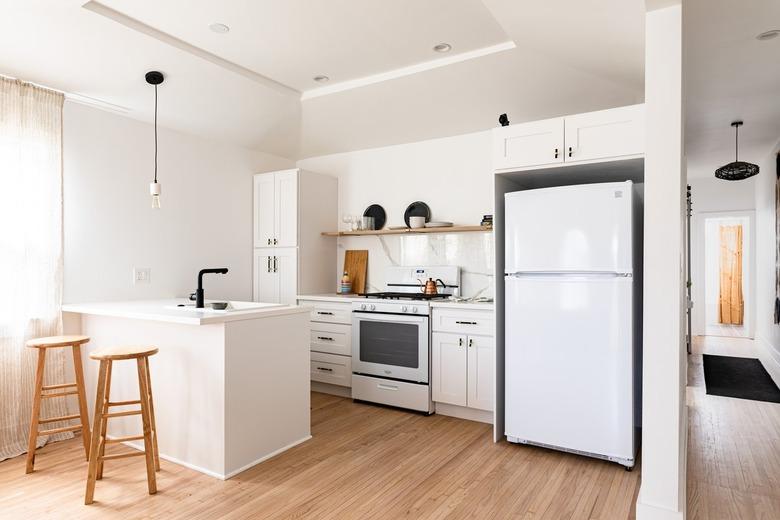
151,415
94,453
151,479
79,369
36,409
104,422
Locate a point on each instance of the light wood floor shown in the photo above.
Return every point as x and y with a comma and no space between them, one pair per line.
733,445
364,462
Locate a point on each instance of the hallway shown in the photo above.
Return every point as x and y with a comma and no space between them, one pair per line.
733,445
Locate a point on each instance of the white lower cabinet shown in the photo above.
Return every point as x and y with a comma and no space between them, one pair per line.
462,363
331,341
275,275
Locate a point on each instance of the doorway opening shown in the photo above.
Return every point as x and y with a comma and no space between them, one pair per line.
727,275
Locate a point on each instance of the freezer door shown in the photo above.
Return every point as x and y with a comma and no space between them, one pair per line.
569,228
569,363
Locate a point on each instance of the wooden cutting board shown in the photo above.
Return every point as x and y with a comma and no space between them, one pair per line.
356,265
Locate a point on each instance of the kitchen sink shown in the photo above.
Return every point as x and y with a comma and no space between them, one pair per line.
232,306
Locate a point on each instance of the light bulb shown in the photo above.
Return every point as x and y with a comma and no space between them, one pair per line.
155,189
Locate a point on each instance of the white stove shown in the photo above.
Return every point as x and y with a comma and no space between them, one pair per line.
391,338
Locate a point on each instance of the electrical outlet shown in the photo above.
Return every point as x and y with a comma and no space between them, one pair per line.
142,275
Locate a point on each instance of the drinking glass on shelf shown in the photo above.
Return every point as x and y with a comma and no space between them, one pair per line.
368,223
358,224
346,218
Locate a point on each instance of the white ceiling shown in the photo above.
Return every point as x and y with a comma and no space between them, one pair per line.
729,75
244,86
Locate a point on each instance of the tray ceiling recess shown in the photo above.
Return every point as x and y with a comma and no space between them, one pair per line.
285,44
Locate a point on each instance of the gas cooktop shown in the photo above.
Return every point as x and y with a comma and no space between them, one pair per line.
388,295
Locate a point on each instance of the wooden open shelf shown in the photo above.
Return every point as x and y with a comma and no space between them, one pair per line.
408,231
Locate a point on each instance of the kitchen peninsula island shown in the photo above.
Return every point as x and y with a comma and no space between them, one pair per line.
231,388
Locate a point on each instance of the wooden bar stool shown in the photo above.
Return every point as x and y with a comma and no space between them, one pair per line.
97,451
43,344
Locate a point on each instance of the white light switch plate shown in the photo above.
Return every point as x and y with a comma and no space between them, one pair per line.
142,275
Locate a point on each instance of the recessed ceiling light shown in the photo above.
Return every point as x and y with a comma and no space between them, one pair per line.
442,47
768,35
321,79
219,28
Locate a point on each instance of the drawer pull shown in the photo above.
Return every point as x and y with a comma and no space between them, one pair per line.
325,313
325,369
466,322
382,386
324,338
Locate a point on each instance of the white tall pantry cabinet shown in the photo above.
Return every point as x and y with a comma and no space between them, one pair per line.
291,210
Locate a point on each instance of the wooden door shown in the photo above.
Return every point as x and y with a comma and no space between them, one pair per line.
731,301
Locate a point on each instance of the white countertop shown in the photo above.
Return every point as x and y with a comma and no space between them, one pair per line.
348,298
167,311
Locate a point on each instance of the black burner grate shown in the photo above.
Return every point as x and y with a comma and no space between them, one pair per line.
404,296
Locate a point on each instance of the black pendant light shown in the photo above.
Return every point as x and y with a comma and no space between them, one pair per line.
155,188
737,170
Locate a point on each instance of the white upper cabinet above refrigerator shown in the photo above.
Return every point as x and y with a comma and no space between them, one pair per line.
583,228
606,135
528,144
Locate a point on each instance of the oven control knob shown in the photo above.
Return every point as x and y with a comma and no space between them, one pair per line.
414,310
362,306
372,307
404,308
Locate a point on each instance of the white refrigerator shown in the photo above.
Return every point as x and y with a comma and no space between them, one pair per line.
573,319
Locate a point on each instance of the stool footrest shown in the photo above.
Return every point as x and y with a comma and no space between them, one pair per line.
59,394
121,414
123,403
124,439
61,430
58,419
54,387
123,455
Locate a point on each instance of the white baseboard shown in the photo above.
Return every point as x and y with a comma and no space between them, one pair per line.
462,412
768,358
215,474
325,388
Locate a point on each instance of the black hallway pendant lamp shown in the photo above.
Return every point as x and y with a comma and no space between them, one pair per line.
737,170
155,188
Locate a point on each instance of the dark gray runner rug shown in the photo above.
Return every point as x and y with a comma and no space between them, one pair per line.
743,378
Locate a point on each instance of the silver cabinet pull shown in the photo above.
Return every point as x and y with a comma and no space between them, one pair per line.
325,369
275,264
268,264
325,313
324,338
466,322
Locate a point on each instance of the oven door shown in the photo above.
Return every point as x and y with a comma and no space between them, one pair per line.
390,345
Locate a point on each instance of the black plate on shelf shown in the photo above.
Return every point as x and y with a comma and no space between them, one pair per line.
378,212
417,209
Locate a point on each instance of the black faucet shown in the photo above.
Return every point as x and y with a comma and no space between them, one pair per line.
199,291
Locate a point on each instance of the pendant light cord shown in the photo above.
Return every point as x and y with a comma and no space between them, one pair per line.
155,134
736,144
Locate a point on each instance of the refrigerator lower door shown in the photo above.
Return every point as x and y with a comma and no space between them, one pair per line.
569,364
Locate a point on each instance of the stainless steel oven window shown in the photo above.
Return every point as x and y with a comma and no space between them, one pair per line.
393,344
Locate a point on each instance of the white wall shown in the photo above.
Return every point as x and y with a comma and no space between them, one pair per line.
110,227
711,194
664,414
767,333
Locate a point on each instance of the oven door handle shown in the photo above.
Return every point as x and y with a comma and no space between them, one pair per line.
389,318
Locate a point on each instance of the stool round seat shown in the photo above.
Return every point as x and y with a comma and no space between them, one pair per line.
123,352
57,341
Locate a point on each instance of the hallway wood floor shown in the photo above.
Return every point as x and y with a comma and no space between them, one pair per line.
364,462
733,445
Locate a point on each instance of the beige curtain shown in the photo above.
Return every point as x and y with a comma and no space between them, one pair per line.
732,304
30,255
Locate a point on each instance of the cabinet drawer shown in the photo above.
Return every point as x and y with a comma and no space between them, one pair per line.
329,368
331,338
327,312
463,322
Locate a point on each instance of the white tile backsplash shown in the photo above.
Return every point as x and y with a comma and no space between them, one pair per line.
472,252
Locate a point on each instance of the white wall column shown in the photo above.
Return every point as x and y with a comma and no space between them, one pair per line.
664,414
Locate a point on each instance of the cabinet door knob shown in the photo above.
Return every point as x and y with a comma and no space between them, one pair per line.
460,342
275,241
571,152
556,153
269,241
471,342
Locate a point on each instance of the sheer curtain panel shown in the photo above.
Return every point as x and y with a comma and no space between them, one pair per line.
30,256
